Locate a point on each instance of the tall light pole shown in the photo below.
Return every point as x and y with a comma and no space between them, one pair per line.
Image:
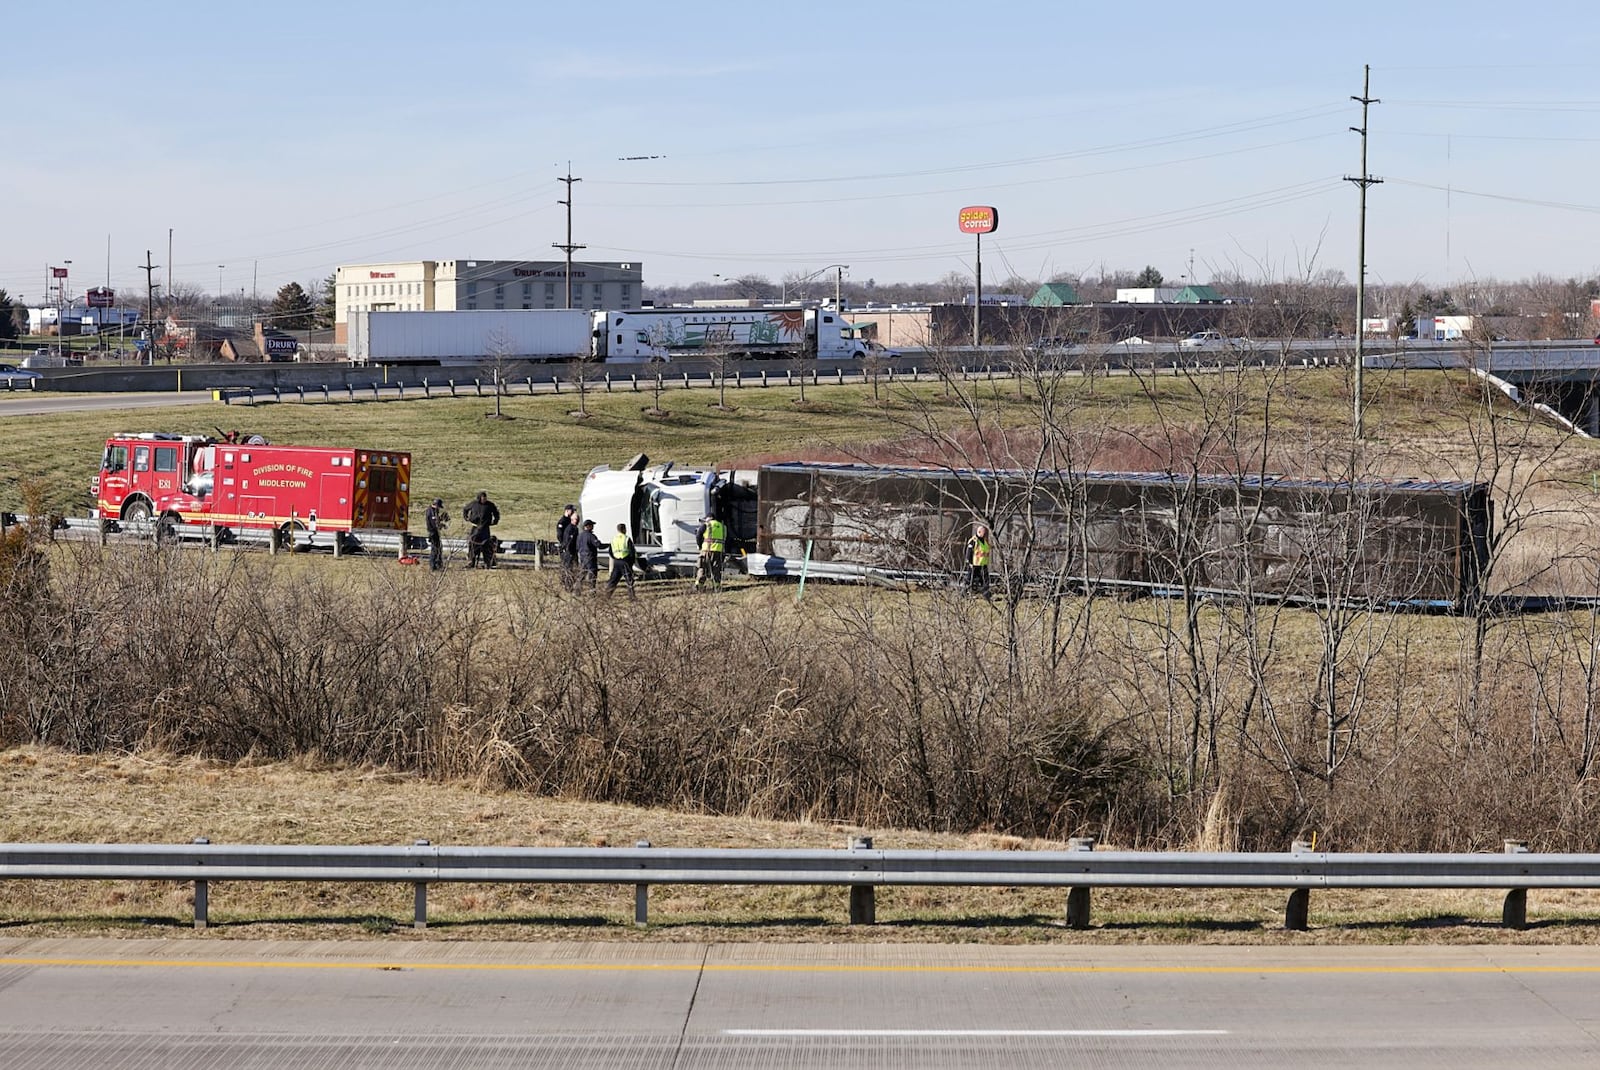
219,282
842,268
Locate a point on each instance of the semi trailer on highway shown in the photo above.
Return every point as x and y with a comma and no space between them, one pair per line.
470,337
657,334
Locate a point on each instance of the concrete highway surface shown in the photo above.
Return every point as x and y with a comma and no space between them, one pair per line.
401,1003
35,404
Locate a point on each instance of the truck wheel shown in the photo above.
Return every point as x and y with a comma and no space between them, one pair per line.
291,532
167,530
137,512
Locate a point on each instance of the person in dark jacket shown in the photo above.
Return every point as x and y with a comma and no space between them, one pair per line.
567,543
588,550
483,515
437,518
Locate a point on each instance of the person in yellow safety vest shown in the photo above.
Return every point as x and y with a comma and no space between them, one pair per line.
713,539
979,551
621,561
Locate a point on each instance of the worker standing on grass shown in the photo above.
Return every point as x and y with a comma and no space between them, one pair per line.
437,518
588,559
713,540
483,515
567,544
979,550
622,554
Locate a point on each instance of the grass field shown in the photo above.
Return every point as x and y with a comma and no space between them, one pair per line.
535,459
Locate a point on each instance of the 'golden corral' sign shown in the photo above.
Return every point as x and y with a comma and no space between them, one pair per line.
979,219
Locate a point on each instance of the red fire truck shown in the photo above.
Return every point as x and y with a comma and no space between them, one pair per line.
250,485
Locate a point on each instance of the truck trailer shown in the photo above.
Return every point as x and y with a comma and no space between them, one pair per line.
660,334
1420,544
231,486
458,338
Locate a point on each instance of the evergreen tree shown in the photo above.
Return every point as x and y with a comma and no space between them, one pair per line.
8,322
292,309
1148,278
329,306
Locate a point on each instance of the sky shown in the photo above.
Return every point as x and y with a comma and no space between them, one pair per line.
277,141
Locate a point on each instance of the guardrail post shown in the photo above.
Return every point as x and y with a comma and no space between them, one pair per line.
635,377
349,391
202,895
324,391
1078,898
419,897
277,393
1297,912
400,389
302,390
452,387
555,383
1514,912
608,382
530,386
738,379
863,902
274,539
840,370
478,384
641,897
427,391
374,390
686,380
764,377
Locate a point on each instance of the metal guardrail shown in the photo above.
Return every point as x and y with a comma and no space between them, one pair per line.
860,868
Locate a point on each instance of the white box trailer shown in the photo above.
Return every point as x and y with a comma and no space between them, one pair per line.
470,337
770,331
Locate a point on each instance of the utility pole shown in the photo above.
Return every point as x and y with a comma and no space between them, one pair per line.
149,270
568,247
169,261
1362,181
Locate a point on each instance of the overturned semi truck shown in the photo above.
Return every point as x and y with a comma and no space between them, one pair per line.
1372,542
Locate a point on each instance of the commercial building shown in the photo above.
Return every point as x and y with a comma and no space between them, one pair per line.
489,285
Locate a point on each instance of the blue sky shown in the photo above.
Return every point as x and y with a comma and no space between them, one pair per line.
280,140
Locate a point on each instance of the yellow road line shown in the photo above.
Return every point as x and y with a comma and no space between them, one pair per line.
691,967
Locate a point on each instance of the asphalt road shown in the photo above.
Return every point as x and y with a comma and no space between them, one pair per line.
33,404
397,1003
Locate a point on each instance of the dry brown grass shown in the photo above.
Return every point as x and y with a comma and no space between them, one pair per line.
56,797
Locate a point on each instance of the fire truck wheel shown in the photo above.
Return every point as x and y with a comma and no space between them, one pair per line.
137,512
292,534
167,529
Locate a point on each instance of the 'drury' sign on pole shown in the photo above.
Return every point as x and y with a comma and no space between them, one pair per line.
979,219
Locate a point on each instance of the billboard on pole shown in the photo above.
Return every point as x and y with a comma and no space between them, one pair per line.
979,219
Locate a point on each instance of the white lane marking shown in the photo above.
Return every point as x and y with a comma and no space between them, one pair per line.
975,1032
